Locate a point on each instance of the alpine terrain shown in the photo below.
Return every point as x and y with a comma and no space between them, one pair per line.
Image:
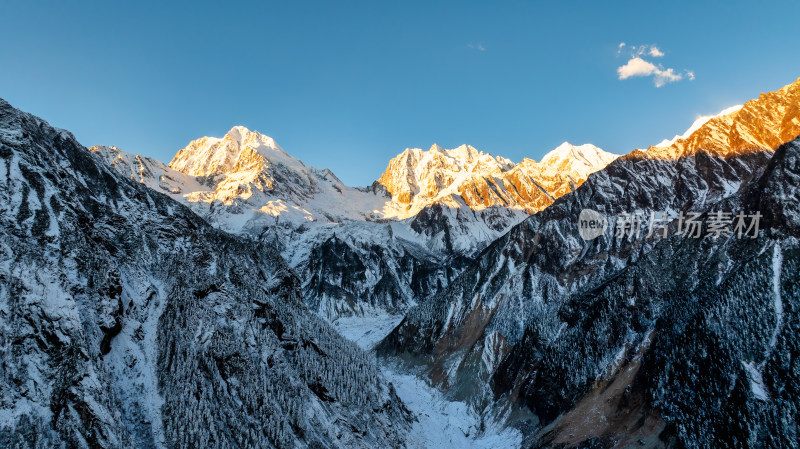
370,250
239,298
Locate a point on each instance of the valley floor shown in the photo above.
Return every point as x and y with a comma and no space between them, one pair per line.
440,423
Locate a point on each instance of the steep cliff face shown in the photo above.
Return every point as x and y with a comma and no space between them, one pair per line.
128,321
557,328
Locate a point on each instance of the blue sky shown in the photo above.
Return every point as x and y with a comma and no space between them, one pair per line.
348,85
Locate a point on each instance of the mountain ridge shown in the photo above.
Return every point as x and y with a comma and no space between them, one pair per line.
762,123
418,178
436,174
247,184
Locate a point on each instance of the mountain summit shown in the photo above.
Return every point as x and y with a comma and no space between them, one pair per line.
211,156
428,174
582,160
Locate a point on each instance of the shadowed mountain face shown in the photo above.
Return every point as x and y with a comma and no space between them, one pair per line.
700,352
673,341
128,321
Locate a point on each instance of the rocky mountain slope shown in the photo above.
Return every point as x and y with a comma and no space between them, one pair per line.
700,121
555,328
128,321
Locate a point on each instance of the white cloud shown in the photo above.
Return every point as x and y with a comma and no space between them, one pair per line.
478,47
637,66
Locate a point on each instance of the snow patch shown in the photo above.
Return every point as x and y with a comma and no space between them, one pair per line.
367,331
777,300
133,360
444,424
756,381
440,424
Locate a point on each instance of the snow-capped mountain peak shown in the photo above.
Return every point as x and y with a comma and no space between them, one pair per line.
436,147
464,176
582,160
567,150
464,153
417,172
212,156
238,132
